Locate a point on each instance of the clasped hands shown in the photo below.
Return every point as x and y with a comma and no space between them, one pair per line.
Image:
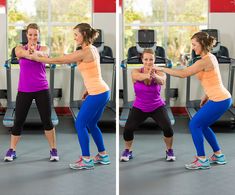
33,54
152,74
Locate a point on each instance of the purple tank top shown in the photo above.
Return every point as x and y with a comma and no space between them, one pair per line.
147,96
32,75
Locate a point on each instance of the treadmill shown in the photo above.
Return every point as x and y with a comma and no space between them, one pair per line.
145,39
106,57
33,114
3,95
222,55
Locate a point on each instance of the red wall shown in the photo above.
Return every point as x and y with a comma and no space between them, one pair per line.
3,3
222,6
104,6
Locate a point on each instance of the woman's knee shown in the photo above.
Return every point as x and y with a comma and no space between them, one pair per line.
48,126
16,131
93,126
168,132
193,124
80,124
128,133
17,128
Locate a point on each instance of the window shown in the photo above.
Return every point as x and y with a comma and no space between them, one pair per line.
56,19
174,22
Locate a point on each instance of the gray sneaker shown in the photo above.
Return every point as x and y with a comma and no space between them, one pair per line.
198,164
218,159
82,164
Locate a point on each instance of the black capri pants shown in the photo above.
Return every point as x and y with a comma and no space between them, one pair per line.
23,103
136,117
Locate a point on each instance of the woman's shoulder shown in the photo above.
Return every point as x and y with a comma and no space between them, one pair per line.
139,70
19,47
209,61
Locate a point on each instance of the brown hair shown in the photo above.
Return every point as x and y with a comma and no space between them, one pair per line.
205,40
33,26
148,50
89,34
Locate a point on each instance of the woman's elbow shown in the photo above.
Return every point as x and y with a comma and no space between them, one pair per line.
19,54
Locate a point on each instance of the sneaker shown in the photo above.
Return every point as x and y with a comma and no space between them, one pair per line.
217,159
53,155
82,164
10,155
198,164
170,155
102,159
126,155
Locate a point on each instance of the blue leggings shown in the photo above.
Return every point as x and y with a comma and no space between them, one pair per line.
88,116
199,125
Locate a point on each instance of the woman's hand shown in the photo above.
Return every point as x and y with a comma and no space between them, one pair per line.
153,74
203,100
148,78
84,95
31,48
158,77
31,56
41,54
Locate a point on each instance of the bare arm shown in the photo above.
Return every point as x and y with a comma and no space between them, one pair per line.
139,76
66,59
21,52
159,77
44,52
186,72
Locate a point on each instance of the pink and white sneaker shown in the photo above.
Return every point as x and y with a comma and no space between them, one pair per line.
82,164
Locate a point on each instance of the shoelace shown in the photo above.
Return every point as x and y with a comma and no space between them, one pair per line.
97,157
125,153
194,162
9,152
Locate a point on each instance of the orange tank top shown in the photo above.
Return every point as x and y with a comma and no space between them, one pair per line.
91,74
212,83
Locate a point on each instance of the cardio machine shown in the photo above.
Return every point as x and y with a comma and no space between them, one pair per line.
33,114
222,55
106,57
145,39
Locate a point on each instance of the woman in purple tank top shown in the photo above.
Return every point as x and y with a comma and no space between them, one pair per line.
148,103
32,85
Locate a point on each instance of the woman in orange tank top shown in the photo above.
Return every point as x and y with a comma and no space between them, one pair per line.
214,104
96,95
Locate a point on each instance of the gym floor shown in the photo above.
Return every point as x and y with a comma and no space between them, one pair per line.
148,173
32,173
